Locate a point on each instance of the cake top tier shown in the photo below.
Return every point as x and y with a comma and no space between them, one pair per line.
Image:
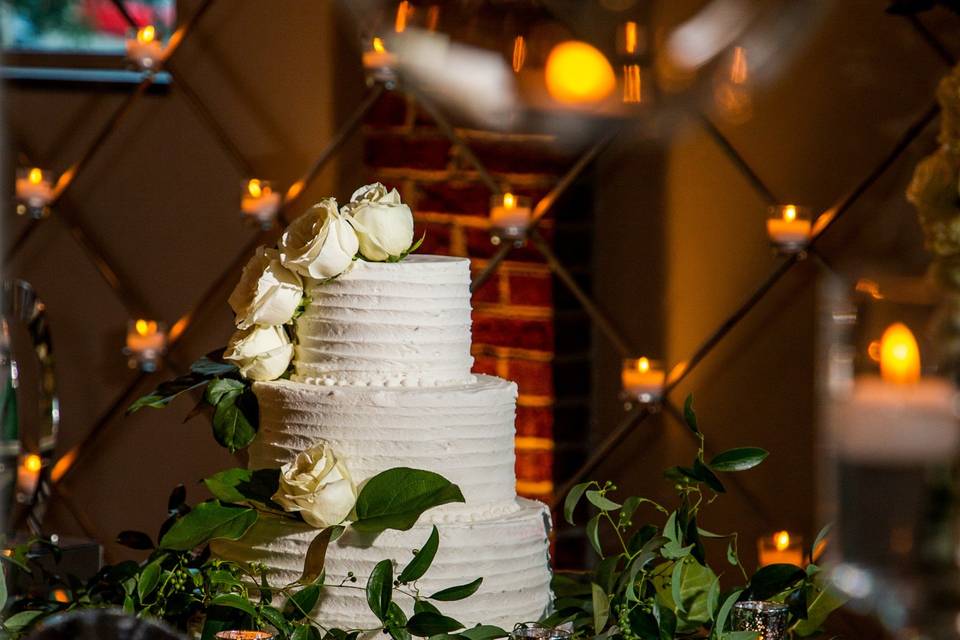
388,324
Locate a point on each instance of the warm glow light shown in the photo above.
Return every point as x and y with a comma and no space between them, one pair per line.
35,176
60,595
869,287
899,355
254,188
147,34
790,213
781,540
63,465
32,463
403,11
738,69
630,37
643,365
577,73
632,84
509,201
145,327
519,53
378,45
433,17
873,350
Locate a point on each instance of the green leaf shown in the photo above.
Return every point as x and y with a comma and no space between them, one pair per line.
685,592
773,579
821,602
213,364
275,618
129,607
306,632
597,499
396,623
428,624
245,485
704,474
165,392
208,521
483,632
135,540
422,561
395,498
458,592
572,499
732,556
3,587
317,553
724,613
689,415
20,621
713,598
220,387
822,536
423,605
739,459
148,579
234,601
301,603
380,589
601,607
593,534
740,635
670,529
797,601
235,419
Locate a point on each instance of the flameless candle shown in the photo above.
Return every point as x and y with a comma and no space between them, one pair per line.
789,227
780,548
642,379
260,202
378,62
28,475
146,342
144,48
34,188
509,216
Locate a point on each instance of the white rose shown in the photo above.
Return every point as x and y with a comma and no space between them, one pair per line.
384,224
318,486
262,353
268,293
320,244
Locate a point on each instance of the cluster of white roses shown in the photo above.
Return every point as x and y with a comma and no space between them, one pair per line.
321,244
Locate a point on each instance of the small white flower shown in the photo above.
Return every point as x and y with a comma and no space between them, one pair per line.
319,244
384,224
268,293
318,486
262,353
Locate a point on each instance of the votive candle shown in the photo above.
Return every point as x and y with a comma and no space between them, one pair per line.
28,475
146,342
259,202
378,62
789,227
34,187
642,379
144,48
510,216
781,547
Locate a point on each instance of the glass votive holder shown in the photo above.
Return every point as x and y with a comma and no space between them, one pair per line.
28,477
144,48
642,380
243,635
789,227
146,344
537,631
781,547
259,203
510,217
767,619
379,64
34,191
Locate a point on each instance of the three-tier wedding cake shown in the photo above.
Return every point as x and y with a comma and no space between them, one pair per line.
382,374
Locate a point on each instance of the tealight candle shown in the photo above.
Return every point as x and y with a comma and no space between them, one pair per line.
510,216
146,342
642,379
378,62
28,475
259,202
144,48
789,227
780,548
34,190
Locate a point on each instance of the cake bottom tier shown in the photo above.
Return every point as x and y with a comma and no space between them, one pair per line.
510,553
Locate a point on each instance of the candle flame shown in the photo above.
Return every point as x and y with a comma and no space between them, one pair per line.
35,176
790,213
519,53
630,37
738,69
643,365
60,595
145,327
147,34
255,188
781,540
378,45
32,463
899,355
403,11
509,200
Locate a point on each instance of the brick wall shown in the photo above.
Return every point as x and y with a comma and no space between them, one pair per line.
514,330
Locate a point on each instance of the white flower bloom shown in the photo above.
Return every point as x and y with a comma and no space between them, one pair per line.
320,244
384,224
318,486
262,353
268,293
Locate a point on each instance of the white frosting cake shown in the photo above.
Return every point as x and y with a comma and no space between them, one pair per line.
382,373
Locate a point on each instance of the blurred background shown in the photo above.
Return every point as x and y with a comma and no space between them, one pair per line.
681,130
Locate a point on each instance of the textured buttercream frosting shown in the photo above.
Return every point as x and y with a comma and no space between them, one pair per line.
388,324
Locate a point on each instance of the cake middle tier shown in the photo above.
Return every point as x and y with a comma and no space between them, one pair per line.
463,432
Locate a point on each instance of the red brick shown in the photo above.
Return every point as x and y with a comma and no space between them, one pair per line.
485,365
389,111
533,378
534,466
489,291
506,155
512,332
535,422
437,239
411,152
479,246
531,289
454,197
